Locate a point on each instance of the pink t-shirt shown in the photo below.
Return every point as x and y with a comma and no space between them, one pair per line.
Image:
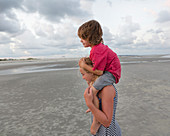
105,59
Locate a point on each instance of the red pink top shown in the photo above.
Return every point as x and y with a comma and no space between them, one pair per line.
105,59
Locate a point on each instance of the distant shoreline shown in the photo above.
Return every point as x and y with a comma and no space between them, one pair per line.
11,59
65,58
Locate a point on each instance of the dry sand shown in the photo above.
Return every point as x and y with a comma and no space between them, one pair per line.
51,103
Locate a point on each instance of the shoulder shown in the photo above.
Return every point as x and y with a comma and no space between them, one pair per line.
100,48
108,92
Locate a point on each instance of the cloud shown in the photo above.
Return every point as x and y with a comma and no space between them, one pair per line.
48,40
109,2
125,35
6,5
41,27
4,39
8,20
158,41
131,39
53,10
49,28
58,9
163,16
107,35
156,31
167,3
8,24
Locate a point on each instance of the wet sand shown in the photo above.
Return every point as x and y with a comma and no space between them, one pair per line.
51,103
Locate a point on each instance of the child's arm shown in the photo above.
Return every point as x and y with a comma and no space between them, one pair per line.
89,68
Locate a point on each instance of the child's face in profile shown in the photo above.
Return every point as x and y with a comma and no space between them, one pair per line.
85,43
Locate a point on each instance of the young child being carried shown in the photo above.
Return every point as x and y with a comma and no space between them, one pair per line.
106,63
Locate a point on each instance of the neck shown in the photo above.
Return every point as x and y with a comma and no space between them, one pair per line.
94,45
91,46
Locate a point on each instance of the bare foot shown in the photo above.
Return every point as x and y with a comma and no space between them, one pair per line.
88,110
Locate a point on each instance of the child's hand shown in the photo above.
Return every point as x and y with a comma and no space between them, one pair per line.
81,62
88,96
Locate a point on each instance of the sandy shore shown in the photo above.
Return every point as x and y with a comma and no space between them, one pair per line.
51,103
144,92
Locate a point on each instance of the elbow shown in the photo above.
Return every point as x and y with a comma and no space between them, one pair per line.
107,124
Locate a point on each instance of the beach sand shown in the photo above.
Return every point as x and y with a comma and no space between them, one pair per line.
51,103
144,92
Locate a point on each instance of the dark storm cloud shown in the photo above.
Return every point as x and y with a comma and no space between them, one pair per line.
163,16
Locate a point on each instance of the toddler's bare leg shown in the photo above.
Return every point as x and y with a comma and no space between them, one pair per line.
95,124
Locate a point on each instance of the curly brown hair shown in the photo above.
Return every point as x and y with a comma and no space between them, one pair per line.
89,62
91,31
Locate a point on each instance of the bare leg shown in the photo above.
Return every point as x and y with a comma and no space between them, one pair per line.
95,124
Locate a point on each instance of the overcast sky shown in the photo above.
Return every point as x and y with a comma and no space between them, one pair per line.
48,28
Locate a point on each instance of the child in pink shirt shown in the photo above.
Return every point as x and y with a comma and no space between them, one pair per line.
106,63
